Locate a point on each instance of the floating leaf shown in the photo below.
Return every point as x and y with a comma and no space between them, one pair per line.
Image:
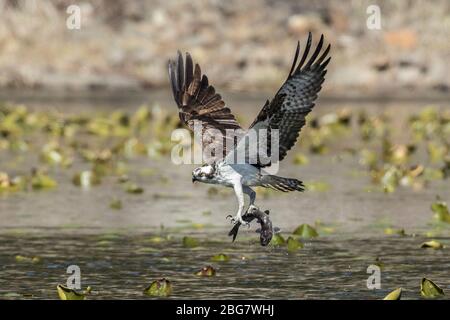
41,181
391,231
317,186
394,295
207,271
133,188
277,240
10,185
86,179
306,231
116,204
220,258
441,212
301,159
432,244
429,289
20,258
293,244
159,288
65,293
157,239
189,242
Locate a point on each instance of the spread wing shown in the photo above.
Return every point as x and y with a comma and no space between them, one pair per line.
295,99
198,103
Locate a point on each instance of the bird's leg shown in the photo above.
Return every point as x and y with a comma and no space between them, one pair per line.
240,197
252,195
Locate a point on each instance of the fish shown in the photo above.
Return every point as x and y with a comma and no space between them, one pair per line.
265,231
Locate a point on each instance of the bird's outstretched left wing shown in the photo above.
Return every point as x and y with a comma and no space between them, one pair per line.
295,99
197,100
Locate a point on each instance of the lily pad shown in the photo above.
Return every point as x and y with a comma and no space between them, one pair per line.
189,242
159,288
306,231
42,181
394,295
207,271
433,244
441,212
277,240
428,289
317,186
293,244
116,204
134,188
65,293
392,231
24,259
301,159
220,258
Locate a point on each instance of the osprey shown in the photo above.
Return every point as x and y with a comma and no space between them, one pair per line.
285,114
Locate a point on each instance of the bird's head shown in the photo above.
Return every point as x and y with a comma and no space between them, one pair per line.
204,173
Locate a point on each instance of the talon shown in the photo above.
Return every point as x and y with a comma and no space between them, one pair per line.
229,217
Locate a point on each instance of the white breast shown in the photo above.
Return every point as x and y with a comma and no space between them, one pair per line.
245,173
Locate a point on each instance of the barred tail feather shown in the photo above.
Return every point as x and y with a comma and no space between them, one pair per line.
282,184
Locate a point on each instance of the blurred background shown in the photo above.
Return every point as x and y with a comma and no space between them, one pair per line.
244,46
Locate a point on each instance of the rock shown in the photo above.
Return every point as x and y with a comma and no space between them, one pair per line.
403,39
301,24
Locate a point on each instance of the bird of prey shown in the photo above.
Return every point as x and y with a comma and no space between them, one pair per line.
285,114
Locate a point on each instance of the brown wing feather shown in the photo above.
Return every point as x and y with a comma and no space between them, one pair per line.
198,100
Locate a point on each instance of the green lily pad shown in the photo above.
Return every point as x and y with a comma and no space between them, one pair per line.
306,231
65,293
42,181
23,259
392,231
277,240
317,186
428,289
159,288
301,159
293,244
220,258
116,204
394,295
441,212
156,239
189,242
207,271
433,244
134,188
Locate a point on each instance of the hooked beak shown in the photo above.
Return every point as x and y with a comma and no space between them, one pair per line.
194,179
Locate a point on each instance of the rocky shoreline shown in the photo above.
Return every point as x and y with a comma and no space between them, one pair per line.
242,46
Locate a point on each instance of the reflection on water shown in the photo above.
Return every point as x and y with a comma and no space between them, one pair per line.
120,267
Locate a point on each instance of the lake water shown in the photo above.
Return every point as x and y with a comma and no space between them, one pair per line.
121,251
